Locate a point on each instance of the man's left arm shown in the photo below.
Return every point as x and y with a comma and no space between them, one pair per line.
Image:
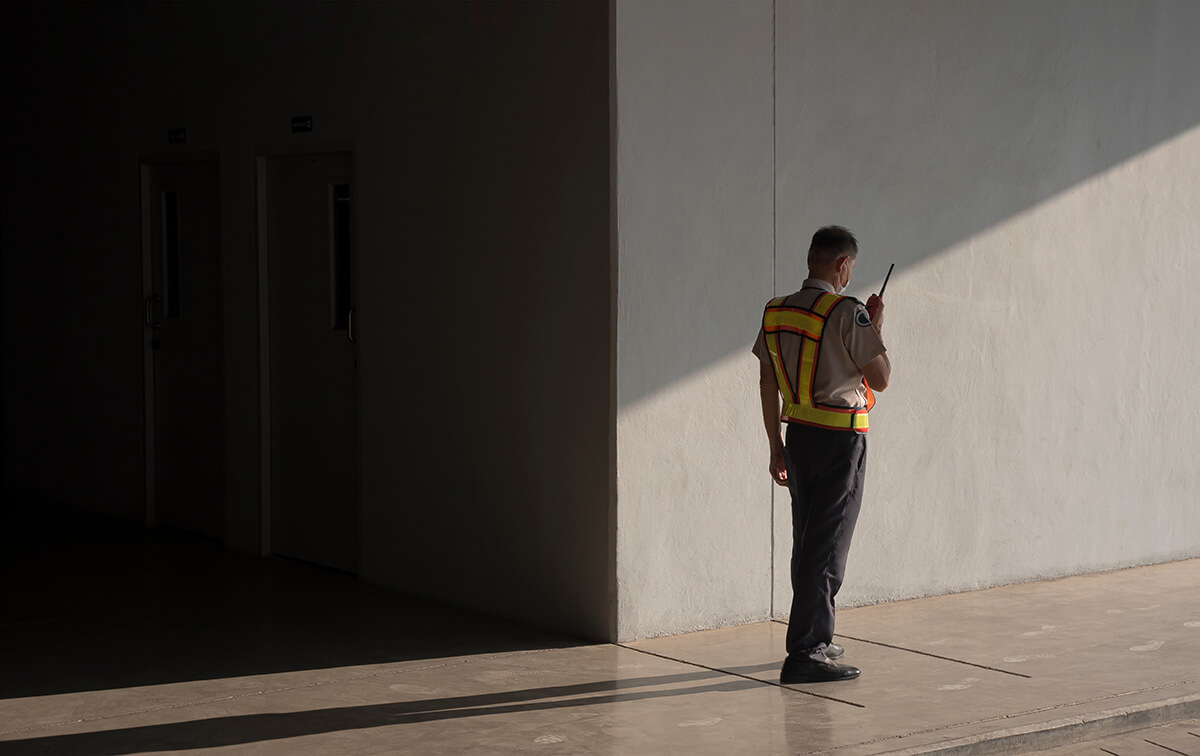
863,337
878,370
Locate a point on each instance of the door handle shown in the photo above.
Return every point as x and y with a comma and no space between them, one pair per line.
350,325
151,300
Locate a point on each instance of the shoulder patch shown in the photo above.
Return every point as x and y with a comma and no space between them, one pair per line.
862,318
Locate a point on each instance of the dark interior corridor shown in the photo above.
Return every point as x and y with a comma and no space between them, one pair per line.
93,604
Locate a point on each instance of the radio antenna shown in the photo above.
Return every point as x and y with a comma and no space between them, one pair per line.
885,279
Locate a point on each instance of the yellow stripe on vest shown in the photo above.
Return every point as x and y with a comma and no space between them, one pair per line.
848,419
777,363
803,323
808,372
825,303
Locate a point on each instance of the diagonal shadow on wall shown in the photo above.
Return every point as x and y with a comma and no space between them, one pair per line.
917,124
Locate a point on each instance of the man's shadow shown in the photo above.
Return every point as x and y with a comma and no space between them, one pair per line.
250,728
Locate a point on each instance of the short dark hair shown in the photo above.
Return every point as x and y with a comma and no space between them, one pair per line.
830,243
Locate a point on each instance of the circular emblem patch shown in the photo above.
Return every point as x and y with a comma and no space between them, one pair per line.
862,318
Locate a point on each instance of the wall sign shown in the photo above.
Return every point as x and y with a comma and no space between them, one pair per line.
301,123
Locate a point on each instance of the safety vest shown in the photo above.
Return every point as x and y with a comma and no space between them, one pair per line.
798,403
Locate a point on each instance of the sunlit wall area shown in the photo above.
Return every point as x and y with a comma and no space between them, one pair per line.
1031,170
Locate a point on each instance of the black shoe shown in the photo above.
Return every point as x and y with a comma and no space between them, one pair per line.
811,670
833,651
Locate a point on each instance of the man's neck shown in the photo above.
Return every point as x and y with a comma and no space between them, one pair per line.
827,278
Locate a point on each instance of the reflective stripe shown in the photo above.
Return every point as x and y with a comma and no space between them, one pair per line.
825,303
772,338
807,372
793,320
777,363
808,324
827,417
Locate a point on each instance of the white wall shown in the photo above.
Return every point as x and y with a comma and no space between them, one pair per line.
1032,170
1030,167
694,232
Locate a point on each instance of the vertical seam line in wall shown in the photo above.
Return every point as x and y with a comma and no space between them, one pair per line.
774,252
614,603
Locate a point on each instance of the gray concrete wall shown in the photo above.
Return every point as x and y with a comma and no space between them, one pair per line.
480,134
486,476
1030,167
694,208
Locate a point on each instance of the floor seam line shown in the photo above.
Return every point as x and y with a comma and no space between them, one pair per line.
739,674
1167,748
926,653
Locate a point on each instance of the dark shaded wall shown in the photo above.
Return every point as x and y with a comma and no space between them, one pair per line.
72,380
480,133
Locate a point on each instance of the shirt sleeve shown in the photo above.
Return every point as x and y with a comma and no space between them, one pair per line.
862,340
760,347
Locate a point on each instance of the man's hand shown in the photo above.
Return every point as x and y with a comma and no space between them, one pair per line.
875,310
778,467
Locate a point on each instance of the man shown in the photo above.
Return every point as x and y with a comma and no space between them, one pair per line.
816,347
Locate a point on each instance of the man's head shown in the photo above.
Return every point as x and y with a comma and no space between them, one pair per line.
831,255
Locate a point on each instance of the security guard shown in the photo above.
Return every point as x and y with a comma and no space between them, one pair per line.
824,354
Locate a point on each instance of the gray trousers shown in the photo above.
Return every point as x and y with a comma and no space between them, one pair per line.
825,476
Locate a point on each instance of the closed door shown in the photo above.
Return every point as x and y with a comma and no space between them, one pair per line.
308,240
181,227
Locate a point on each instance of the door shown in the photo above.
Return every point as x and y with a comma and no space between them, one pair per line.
181,228
308,240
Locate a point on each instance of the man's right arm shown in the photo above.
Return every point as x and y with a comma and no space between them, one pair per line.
768,390
877,372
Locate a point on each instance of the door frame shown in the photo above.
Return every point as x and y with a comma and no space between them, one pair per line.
262,154
146,163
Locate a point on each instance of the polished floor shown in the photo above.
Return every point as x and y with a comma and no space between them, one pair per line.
119,642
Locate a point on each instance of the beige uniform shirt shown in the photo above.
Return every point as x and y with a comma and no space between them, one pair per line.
848,342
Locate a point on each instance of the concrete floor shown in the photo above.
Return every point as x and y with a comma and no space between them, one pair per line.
1164,740
115,642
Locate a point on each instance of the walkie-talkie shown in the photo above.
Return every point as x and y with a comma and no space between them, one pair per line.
885,280
871,310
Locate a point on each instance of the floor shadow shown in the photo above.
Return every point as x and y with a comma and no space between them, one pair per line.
235,730
90,604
